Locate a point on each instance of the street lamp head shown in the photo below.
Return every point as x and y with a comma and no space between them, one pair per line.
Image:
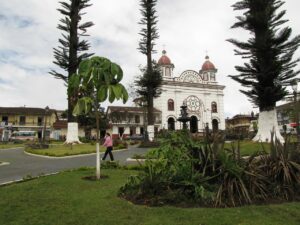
294,85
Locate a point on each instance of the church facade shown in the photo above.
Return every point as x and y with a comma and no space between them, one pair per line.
198,90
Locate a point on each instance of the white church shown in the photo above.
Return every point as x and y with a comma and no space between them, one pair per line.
200,91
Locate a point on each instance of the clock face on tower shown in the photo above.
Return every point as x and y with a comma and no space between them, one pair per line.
193,103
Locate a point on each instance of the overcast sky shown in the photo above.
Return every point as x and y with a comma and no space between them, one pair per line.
188,28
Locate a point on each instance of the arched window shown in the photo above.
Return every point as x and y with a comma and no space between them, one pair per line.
215,125
171,124
214,107
170,105
194,124
168,72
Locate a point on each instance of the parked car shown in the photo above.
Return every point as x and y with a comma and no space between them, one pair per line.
135,137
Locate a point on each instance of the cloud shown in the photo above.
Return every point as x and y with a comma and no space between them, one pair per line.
187,28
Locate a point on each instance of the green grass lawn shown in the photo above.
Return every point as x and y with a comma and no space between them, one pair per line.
249,147
66,150
66,199
10,145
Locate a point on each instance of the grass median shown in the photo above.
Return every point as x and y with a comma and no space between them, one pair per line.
249,147
67,150
10,145
68,199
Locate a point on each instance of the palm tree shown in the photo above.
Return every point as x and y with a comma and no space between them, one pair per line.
270,66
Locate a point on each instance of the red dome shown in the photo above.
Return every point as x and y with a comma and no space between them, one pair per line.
207,65
164,60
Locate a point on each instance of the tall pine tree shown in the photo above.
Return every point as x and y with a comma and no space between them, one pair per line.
150,80
270,65
72,49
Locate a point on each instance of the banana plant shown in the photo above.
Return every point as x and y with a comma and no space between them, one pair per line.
98,80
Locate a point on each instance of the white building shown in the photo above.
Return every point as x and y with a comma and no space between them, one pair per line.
200,91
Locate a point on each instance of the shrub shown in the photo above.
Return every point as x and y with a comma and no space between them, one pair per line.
84,140
167,179
134,142
16,141
190,172
149,144
282,168
119,144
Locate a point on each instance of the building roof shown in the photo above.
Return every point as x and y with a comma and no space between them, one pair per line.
60,124
164,59
242,116
25,111
287,106
208,65
128,109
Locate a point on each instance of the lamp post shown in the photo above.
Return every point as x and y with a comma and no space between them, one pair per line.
294,87
45,123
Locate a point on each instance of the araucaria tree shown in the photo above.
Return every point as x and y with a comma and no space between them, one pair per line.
72,49
150,79
270,66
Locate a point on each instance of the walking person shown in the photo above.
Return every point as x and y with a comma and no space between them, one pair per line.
108,143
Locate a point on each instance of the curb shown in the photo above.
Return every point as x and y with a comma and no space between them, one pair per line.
4,163
69,156
24,180
135,160
4,149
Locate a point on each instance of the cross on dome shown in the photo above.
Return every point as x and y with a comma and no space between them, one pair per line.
164,59
208,65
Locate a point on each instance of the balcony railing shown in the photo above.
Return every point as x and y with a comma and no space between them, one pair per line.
39,124
133,122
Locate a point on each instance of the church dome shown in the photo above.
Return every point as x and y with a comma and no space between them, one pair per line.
164,59
208,65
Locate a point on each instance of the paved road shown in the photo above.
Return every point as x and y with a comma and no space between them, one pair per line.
22,164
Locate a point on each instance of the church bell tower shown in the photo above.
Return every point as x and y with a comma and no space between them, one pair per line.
166,66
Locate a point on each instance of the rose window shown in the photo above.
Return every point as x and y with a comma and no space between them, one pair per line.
193,103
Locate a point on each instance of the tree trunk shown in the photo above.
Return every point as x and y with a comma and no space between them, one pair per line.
149,70
267,123
73,61
150,116
98,166
73,65
71,118
72,134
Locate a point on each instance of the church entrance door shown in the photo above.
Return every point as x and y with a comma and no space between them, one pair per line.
171,124
194,124
215,125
